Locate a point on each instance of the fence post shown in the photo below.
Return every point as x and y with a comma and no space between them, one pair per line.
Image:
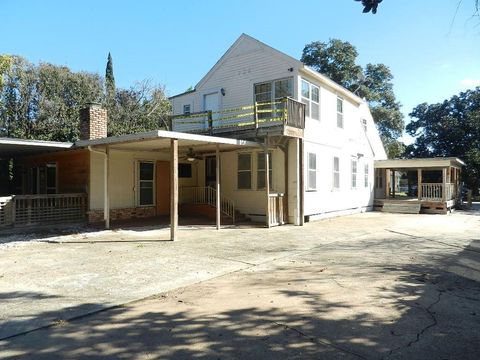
14,210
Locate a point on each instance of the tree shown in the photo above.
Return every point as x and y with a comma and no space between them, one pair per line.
5,63
337,60
370,5
450,128
42,101
109,81
141,108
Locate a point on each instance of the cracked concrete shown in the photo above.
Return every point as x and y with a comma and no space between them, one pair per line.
368,286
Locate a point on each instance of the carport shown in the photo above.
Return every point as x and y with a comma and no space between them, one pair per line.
168,143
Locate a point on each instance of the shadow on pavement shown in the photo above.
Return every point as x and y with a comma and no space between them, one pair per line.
438,302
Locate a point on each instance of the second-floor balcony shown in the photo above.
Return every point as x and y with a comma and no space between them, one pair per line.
282,117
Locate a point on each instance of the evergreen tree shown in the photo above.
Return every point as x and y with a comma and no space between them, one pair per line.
110,81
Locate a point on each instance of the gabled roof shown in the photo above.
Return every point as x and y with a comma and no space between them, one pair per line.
237,42
301,66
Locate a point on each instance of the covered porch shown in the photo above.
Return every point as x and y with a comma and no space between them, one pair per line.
430,185
164,175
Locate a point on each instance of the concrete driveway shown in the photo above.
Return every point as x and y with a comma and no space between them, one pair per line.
366,286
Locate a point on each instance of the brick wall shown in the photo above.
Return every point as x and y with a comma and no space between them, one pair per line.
95,216
93,122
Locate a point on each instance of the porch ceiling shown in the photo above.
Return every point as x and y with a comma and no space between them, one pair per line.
160,141
11,148
405,164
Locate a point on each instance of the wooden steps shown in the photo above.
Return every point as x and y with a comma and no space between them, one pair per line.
402,208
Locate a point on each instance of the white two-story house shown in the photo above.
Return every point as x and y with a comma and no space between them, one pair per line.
320,137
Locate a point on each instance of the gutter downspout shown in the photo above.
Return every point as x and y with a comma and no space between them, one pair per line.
106,199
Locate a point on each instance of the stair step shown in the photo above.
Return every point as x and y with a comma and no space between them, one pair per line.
401,208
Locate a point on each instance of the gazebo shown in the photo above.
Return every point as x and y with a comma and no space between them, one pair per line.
429,185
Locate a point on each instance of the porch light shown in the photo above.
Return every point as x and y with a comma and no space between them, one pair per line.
191,159
222,91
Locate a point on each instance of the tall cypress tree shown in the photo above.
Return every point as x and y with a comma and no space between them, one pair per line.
110,81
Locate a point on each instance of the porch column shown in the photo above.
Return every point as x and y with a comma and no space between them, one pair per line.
394,178
173,189
106,188
387,183
267,182
419,184
217,161
444,184
302,181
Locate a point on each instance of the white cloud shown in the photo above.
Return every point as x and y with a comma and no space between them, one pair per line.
470,83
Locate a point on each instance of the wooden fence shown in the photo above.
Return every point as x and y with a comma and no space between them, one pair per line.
35,210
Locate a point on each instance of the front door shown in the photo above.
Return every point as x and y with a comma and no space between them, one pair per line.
211,103
162,185
211,171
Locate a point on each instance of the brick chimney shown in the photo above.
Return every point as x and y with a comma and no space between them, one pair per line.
93,122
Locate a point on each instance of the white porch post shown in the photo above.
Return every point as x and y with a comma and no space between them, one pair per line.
387,183
267,182
106,188
173,189
444,184
217,162
302,181
419,184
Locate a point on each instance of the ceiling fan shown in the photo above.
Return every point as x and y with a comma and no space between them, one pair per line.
191,156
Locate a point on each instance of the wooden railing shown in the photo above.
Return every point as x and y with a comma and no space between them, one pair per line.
34,210
206,195
285,111
450,192
277,208
435,192
6,205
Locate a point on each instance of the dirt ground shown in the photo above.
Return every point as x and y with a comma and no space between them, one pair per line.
366,286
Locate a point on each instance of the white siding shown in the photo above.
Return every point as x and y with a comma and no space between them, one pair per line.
327,141
248,63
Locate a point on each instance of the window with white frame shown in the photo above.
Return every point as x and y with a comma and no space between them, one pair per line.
339,112
354,173
244,171
312,171
366,174
269,92
261,170
146,183
336,172
311,98
186,109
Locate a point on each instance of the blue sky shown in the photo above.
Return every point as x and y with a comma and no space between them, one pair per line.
432,53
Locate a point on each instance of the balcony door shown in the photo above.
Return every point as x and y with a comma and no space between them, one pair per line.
211,102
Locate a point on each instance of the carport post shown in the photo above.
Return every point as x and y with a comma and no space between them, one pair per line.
217,162
267,182
173,189
106,197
